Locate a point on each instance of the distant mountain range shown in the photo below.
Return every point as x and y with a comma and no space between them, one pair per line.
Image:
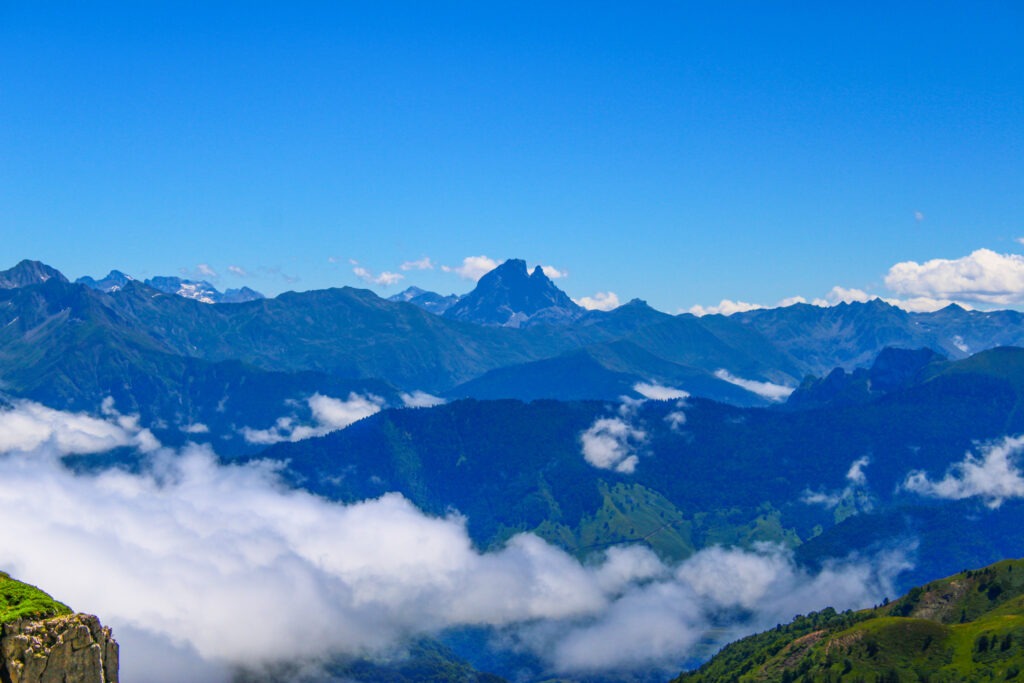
515,336
198,290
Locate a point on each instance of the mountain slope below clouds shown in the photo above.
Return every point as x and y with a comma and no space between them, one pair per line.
967,627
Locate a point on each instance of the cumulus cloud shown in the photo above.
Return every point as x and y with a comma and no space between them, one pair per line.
768,390
602,301
610,443
420,399
984,276
385,279
472,268
328,415
423,264
994,475
203,566
658,392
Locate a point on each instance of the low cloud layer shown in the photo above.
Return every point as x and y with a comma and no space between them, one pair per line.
420,399
659,392
994,475
328,414
854,496
611,443
768,390
202,567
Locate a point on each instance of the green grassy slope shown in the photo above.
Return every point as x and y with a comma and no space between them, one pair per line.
967,627
19,600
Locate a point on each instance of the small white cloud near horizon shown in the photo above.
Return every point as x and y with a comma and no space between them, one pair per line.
918,216
385,279
659,392
994,476
984,276
768,390
423,264
725,307
238,271
329,415
554,273
472,268
206,271
420,399
602,301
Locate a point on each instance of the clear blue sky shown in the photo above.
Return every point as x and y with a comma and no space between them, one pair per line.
677,152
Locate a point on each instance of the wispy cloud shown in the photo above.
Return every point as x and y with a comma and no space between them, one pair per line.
602,301
768,390
659,392
423,264
238,271
994,476
554,273
384,279
473,267
420,399
328,415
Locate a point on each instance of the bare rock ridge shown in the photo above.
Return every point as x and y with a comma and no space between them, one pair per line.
73,648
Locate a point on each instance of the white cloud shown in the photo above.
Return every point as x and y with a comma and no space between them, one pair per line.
328,414
28,426
385,279
854,494
610,444
791,301
420,399
196,428
472,268
176,554
658,392
984,276
841,295
918,216
725,307
602,301
423,264
554,273
206,271
768,390
994,476
238,271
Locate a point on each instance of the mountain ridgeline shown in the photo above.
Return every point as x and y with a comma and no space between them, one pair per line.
176,359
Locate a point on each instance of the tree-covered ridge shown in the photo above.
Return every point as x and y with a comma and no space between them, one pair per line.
20,600
967,627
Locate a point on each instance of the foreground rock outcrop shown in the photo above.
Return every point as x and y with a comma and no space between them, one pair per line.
73,648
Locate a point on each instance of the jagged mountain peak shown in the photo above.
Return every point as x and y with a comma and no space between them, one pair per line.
512,296
114,281
27,273
202,291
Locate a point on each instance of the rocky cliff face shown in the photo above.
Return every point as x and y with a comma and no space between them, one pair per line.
74,648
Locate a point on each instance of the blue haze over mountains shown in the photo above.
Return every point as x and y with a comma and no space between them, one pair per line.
514,378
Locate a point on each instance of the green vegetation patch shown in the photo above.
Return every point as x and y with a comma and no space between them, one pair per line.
19,600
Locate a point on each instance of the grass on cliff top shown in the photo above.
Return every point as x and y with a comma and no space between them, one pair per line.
19,600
